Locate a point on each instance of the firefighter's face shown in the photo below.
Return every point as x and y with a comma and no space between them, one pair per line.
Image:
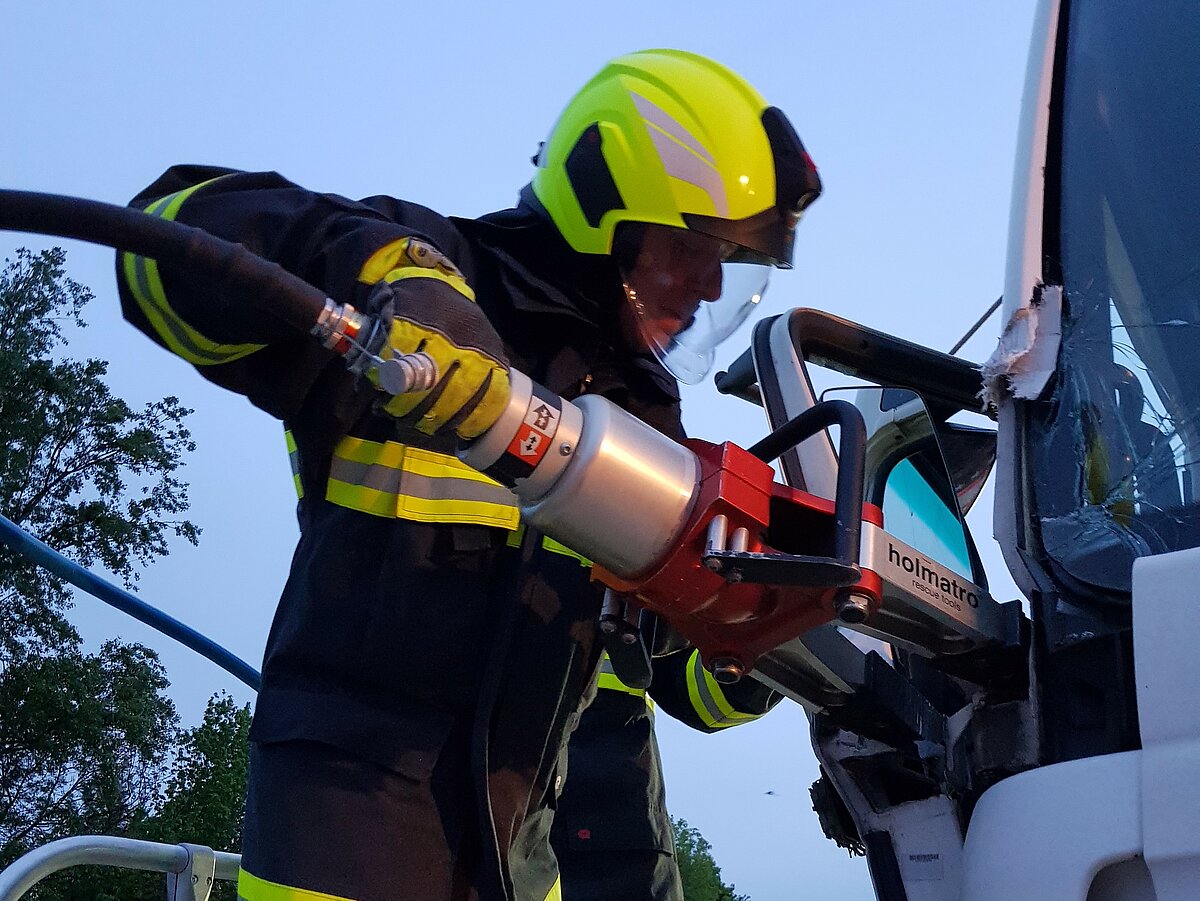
673,272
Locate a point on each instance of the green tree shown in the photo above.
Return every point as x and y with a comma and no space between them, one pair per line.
84,745
697,869
202,801
197,795
87,741
205,794
79,468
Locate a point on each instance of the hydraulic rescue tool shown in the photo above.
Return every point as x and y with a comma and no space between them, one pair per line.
735,562
698,533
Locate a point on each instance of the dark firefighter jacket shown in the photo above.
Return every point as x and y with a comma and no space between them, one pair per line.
400,613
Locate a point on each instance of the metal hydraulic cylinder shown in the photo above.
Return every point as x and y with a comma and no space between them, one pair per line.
591,475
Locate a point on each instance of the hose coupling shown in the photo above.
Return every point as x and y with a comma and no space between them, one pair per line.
359,338
338,326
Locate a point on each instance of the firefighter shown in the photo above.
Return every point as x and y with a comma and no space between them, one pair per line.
612,836
428,657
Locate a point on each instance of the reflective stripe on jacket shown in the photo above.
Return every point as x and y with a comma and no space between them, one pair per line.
396,480
390,479
142,277
608,680
683,684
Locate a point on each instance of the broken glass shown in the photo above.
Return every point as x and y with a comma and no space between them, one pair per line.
1114,448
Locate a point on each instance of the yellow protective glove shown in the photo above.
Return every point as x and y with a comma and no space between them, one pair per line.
432,309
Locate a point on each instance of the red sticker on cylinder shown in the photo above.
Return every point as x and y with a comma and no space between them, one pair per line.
533,438
529,445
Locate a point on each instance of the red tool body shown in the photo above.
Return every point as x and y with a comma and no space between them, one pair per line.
718,609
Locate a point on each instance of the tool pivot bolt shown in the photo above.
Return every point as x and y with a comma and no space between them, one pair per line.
727,670
853,608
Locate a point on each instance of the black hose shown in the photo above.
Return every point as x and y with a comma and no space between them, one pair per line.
288,297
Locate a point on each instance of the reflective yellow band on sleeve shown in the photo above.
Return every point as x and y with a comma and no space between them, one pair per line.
395,480
555,893
549,544
555,547
609,681
294,461
144,282
251,888
709,701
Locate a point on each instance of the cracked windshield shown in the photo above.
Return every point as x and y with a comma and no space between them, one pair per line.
1123,412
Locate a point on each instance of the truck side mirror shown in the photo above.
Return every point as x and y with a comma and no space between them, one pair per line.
906,475
968,452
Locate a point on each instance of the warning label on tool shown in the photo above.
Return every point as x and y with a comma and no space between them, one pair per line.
542,416
529,444
534,437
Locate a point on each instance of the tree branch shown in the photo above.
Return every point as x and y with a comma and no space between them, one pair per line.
38,818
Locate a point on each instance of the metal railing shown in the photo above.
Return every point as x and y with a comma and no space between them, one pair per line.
191,870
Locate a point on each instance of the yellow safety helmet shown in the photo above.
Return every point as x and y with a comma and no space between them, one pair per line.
668,137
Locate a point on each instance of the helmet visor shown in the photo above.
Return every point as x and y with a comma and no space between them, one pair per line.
682,323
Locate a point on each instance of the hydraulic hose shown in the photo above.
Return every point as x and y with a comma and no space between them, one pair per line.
45,556
290,298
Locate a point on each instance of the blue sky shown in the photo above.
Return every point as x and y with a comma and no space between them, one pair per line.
909,110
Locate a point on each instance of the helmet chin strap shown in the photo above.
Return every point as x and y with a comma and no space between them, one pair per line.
631,321
631,295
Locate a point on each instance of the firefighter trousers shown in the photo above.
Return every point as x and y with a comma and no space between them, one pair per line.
323,824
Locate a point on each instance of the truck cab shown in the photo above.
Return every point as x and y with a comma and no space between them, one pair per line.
1053,752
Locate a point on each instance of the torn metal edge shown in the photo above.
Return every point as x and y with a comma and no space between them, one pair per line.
1027,353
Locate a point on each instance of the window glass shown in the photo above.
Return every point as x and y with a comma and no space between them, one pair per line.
1114,445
